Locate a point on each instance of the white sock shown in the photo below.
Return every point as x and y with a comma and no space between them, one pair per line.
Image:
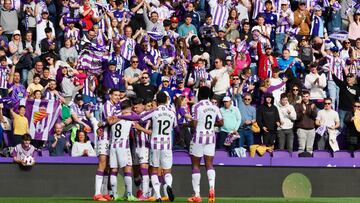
196,176
128,183
104,187
164,190
98,181
156,185
211,177
168,179
113,182
145,185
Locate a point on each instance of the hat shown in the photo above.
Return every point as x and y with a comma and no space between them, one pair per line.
174,19
302,2
336,6
228,58
334,49
317,8
44,11
180,80
112,62
17,32
223,29
165,78
226,99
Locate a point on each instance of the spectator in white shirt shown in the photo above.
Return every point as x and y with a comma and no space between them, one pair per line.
287,117
316,83
82,146
220,80
329,119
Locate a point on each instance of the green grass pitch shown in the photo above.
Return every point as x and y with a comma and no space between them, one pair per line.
183,200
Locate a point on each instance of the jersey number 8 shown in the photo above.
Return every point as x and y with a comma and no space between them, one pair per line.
117,132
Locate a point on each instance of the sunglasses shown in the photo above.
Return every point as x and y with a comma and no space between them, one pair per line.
295,90
144,78
236,78
247,99
356,106
347,42
135,62
327,103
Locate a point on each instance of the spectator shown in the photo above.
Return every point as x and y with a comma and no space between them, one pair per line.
187,28
35,85
232,120
38,69
8,18
220,79
266,61
20,124
354,26
316,83
305,123
7,76
145,90
287,118
68,53
82,146
329,119
352,134
268,119
349,93
302,19
17,91
57,143
133,73
23,150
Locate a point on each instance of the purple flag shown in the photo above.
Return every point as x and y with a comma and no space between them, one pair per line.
42,115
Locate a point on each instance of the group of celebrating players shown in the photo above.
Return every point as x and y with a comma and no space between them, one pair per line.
150,130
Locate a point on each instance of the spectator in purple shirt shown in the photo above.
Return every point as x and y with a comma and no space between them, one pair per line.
17,91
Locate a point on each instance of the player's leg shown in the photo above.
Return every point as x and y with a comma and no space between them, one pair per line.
144,170
100,176
155,163
196,152
195,178
128,183
209,152
114,162
166,164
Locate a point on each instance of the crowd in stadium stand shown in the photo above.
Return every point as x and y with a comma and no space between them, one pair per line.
285,74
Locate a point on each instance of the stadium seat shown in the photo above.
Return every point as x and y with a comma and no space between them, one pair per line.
45,153
7,138
221,153
180,153
342,154
357,154
281,154
322,154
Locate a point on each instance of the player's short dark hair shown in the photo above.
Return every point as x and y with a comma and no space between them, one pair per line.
125,104
138,100
161,98
21,106
113,90
26,137
268,2
204,93
147,100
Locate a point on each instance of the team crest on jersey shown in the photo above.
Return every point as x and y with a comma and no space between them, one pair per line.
40,115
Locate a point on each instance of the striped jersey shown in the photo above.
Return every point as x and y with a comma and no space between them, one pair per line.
120,132
205,113
90,80
128,47
141,138
108,109
335,65
220,13
3,77
163,122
